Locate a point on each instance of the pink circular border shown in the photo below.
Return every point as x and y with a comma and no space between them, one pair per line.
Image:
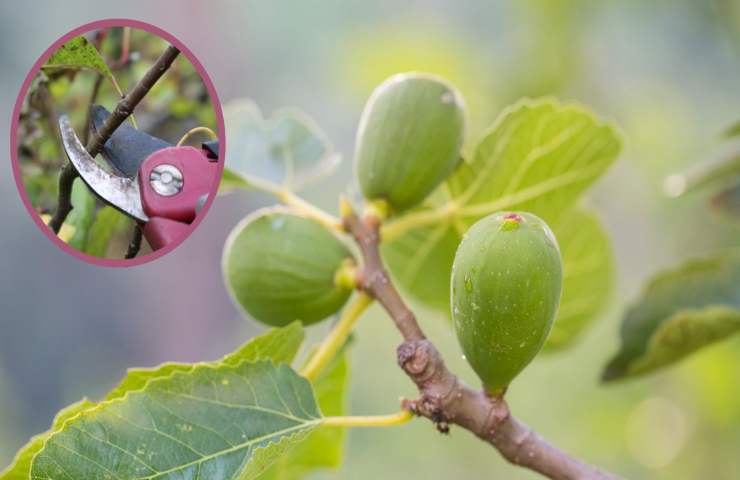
115,22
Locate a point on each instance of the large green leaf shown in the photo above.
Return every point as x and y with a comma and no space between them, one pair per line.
681,311
214,421
21,467
588,275
279,345
324,446
539,156
82,215
287,149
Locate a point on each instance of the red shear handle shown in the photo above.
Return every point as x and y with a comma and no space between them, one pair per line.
171,200
160,232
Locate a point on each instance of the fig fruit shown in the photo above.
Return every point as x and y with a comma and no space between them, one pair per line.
409,139
506,282
281,267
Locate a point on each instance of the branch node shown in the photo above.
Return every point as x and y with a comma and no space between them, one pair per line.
497,414
416,359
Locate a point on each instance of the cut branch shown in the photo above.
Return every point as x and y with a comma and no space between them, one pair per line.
444,399
122,111
135,244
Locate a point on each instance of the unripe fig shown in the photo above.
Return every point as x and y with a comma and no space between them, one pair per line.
506,283
409,138
281,267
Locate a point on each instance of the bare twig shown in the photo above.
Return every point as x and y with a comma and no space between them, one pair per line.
122,111
135,245
444,399
93,98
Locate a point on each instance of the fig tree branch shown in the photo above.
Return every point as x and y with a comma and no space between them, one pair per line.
444,399
122,111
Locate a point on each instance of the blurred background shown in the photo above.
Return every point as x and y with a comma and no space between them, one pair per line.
666,71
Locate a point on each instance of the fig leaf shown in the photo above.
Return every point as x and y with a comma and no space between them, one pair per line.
680,311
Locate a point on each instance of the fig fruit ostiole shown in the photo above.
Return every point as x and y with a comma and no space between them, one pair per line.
281,267
506,283
409,139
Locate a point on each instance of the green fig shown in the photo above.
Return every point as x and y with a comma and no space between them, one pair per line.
506,282
281,267
409,139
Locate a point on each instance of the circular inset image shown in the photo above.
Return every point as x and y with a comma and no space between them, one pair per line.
117,142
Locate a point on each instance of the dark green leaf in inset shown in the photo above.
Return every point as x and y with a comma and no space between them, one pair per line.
107,222
82,216
78,53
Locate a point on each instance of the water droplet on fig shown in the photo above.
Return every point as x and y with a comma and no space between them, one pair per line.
277,222
468,283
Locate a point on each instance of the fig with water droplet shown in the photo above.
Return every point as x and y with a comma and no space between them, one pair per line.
281,267
409,139
506,284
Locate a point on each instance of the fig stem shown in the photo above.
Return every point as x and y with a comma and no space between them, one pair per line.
291,199
414,220
287,197
337,337
456,209
369,421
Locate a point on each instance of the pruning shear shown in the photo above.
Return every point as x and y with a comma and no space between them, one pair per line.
161,186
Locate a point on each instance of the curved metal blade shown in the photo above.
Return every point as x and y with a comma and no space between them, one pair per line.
120,192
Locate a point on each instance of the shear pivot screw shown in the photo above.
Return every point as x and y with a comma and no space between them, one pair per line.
166,180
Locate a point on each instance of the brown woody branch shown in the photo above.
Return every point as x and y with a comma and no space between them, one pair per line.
444,399
122,111
135,244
